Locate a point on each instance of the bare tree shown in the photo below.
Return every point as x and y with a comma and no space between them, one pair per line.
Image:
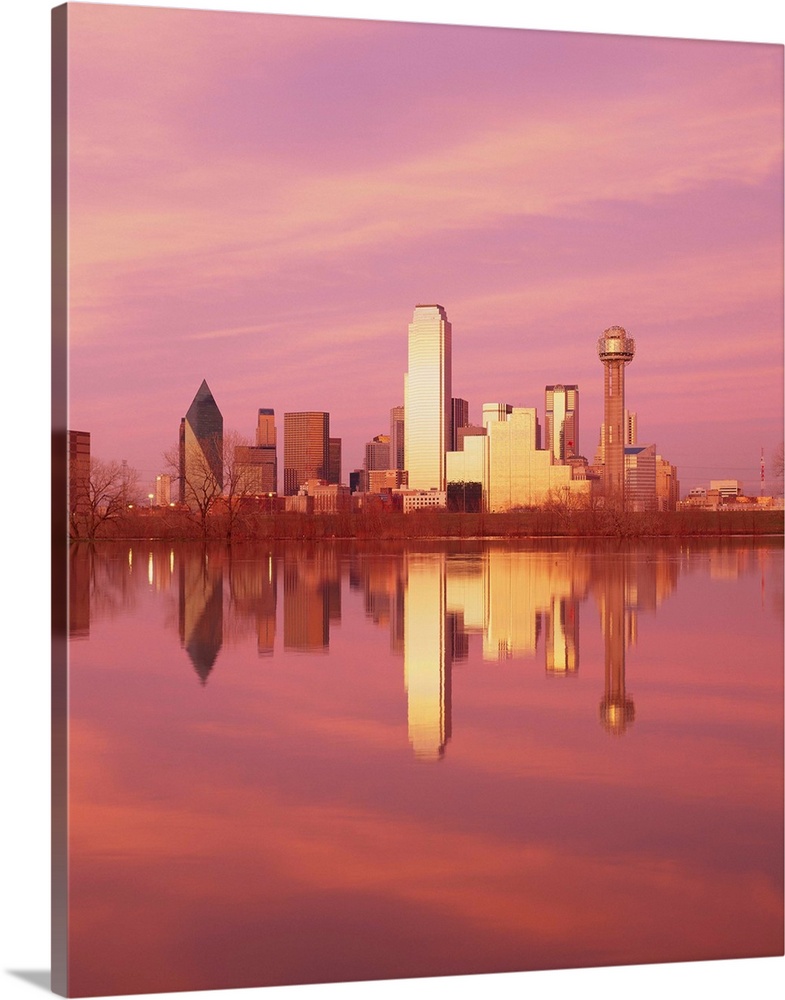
213,477
240,477
198,472
110,489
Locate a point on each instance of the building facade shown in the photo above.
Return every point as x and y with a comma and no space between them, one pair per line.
334,470
306,449
667,484
397,444
459,417
428,397
78,472
201,449
561,421
509,464
640,474
163,490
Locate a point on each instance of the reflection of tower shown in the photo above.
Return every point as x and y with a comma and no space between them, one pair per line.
616,350
427,658
201,611
428,397
616,709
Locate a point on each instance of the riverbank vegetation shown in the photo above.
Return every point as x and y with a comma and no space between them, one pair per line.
597,522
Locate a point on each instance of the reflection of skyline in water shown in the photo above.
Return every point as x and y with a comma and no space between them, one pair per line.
432,799
504,603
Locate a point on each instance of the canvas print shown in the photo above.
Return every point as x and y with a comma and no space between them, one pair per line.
418,521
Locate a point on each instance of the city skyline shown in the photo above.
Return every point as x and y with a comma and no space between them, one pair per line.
272,239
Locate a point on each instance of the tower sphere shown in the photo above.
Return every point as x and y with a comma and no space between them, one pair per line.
615,345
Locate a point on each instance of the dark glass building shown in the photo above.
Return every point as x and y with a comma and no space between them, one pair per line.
201,449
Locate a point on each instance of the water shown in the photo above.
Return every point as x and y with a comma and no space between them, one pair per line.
333,762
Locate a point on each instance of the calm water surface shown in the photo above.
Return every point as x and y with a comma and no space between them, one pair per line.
325,763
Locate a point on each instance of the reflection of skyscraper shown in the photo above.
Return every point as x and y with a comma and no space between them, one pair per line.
253,585
201,611
201,448
617,711
561,640
561,421
306,449
427,658
311,598
428,395
79,557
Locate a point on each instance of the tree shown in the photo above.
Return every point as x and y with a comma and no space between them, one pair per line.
213,478
197,467
110,489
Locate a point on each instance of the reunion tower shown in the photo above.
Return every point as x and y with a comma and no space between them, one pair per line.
616,350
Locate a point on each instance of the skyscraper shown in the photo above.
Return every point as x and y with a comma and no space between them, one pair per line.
334,470
561,421
397,458
201,449
616,350
459,418
78,472
427,397
257,465
306,449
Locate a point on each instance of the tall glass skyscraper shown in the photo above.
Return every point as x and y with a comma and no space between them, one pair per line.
201,449
428,397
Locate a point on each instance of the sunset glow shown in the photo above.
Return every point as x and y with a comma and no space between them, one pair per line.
261,201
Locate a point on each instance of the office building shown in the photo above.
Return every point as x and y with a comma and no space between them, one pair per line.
561,421
513,470
254,470
630,427
201,450
334,461
78,472
428,397
265,454
495,411
306,449
616,350
163,490
667,484
727,488
459,409
640,477
397,450
377,455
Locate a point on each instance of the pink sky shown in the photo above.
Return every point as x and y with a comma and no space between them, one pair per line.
262,200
